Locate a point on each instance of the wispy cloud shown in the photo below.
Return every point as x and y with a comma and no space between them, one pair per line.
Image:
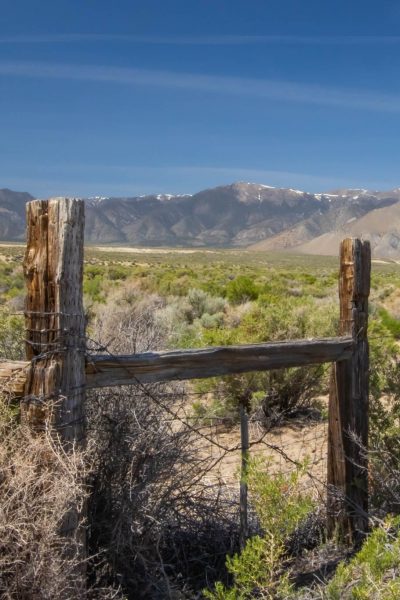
240,86
206,40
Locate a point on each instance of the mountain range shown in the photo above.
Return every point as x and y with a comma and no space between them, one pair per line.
250,215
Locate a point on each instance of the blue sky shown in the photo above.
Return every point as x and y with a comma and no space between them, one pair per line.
129,97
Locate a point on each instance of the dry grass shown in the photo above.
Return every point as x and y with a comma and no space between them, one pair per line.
40,487
154,528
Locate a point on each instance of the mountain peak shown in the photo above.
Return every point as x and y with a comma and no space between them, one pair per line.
241,214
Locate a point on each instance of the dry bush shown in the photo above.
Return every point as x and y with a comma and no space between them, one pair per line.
157,530
128,323
39,483
289,393
156,527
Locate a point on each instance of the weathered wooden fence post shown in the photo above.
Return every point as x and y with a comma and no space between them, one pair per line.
348,401
55,343
55,323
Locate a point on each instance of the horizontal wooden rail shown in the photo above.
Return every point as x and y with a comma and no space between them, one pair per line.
13,376
208,362
152,367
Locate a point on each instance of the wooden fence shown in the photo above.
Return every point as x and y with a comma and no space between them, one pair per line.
58,369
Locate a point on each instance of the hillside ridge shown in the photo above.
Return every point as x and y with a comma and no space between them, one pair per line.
241,214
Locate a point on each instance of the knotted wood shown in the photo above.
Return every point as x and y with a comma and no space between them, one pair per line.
348,402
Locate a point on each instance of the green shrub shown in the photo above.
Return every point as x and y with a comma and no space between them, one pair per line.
12,335
202,302
117,272
93,288
375,570
212,321
392,324
92,271
274,393
261,569
241,289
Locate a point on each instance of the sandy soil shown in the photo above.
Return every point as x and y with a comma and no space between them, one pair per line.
151,250
280,446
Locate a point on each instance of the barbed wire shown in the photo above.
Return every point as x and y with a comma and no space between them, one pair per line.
201,431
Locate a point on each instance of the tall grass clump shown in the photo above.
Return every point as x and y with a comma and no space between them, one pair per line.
39,483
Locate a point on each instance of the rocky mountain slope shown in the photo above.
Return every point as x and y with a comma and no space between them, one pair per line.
12,214
242,214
